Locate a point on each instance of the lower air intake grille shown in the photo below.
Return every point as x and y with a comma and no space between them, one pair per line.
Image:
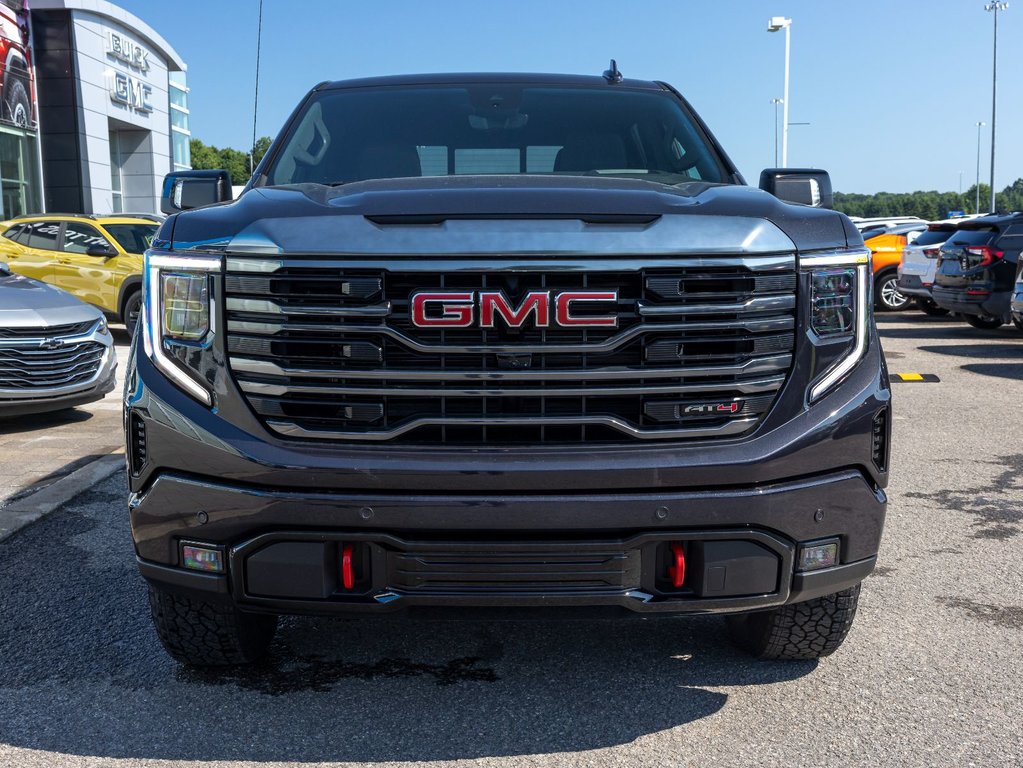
514,569
137,441
880,437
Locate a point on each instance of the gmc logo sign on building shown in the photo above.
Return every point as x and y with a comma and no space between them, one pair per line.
457,309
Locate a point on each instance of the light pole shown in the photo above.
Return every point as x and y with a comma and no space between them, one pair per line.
776,102
996,7
774,24
976,207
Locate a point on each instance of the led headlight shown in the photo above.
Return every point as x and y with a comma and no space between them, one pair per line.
178,312
186,306
833,302
839,307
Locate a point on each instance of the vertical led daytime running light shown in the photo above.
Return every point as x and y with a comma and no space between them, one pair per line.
151,338
860,259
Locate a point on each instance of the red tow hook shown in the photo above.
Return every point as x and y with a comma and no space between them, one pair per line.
677,570
347,570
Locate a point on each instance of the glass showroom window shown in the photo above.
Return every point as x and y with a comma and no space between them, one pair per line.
18,186
181,153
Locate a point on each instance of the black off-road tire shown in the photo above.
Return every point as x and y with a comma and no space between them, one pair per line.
808,630
984,323
205,634
928,307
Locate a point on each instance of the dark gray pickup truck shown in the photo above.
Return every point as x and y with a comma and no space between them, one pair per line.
504,341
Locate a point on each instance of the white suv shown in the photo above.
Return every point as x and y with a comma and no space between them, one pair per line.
919,262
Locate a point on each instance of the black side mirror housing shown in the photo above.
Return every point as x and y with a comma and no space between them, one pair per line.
805,186
183,190
101,250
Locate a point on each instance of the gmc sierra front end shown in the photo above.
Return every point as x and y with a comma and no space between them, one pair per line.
506,341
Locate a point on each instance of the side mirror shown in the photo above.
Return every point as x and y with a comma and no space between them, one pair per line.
4,269
805,186
194,189
101,250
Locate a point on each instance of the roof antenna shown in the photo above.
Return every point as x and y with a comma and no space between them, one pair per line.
613,75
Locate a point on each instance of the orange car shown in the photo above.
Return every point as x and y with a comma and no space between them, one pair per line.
886,251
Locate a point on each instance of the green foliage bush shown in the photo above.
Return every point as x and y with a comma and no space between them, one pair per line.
234,161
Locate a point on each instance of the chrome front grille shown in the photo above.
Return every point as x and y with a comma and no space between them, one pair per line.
327,349
69,329
36,360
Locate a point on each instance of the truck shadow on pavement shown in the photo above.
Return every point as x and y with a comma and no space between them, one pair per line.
82,673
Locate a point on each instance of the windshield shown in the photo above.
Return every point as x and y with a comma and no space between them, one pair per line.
350,135
134,238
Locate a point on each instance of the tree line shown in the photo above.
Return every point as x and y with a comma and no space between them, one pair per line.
234,161
930,205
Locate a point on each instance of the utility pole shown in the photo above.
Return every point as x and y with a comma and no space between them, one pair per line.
996,7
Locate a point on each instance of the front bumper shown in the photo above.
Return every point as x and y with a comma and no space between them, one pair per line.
46,400
993,304
459,551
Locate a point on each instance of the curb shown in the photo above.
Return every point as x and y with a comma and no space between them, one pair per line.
27,509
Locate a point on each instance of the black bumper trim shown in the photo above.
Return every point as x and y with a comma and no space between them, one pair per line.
804,586
807,586
186,582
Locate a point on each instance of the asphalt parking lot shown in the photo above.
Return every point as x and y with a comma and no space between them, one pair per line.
929,676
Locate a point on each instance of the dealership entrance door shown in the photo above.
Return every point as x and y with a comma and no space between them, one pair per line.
132,178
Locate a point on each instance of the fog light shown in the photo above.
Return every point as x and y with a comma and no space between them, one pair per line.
199,558
813,557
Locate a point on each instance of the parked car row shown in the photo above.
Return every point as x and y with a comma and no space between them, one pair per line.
61,278
968,266
96,258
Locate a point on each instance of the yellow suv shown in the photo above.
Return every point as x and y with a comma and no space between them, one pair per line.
96,258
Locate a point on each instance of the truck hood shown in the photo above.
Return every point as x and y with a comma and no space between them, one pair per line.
508,215
26,303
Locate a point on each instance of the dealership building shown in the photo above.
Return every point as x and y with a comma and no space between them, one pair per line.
96,114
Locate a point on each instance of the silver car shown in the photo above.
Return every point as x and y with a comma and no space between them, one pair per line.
55,351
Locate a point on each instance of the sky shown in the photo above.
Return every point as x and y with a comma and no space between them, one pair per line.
892,89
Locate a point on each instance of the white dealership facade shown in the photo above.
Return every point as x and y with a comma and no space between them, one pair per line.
113,107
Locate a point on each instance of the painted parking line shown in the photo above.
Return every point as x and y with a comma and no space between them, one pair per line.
914,378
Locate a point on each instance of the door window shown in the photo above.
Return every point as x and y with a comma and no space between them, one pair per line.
79,238
42,235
